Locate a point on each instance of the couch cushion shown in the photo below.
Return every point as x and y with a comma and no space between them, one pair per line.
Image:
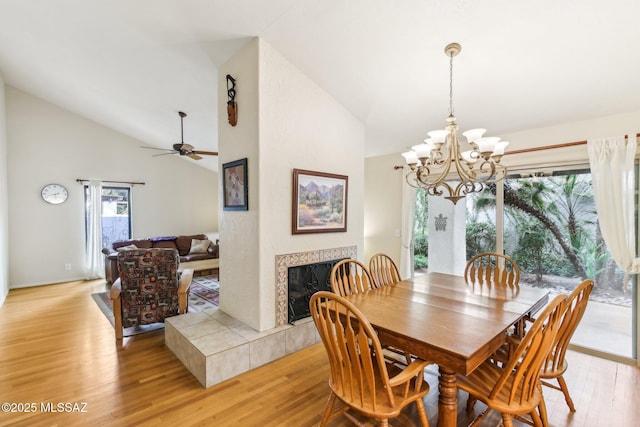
184,243
195,257
214,250
127,248
199,246
140,243
169,244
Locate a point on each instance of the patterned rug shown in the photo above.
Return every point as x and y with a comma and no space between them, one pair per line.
204,294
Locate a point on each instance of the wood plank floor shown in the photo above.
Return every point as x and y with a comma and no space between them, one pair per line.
57,347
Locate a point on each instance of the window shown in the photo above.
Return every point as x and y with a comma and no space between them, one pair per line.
115,214
116,221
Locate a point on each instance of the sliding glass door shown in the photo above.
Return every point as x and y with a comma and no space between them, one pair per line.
551,230
549,226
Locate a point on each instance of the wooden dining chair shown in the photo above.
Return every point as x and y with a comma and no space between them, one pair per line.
555,365
492,269
383,270
350,276
513,388
359,376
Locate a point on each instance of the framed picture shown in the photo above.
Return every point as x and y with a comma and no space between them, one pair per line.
234,183
319,202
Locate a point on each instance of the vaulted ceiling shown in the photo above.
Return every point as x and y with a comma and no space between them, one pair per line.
132,65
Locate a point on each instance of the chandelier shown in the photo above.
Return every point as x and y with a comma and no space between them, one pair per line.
430,162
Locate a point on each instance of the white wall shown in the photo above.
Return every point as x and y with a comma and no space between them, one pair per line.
49,144
382,193
300,127
4,210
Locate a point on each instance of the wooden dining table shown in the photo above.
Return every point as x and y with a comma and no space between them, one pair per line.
440,318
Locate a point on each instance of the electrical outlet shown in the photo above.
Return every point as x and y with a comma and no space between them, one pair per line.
67,267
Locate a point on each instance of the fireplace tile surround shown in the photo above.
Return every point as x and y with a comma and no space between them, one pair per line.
215,347
283,262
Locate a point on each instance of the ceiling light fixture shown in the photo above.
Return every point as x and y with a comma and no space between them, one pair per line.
430,162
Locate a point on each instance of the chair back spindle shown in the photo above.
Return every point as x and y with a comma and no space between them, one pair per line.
383,270
349,277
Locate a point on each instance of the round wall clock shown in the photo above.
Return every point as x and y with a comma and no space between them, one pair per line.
54,194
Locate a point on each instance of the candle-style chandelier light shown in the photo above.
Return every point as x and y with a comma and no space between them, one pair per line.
430,162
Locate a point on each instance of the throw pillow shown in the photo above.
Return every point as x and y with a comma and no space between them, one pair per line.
127,248
199,246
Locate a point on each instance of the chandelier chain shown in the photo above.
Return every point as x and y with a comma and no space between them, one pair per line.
451,84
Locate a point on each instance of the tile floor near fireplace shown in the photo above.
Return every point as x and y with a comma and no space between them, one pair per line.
215,346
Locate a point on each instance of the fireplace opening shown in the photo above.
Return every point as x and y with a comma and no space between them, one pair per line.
304,281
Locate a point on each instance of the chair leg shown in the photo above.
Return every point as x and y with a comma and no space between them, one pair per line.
471,401
565,390
328,409
537,422
507,420
422,413
117,317
542,409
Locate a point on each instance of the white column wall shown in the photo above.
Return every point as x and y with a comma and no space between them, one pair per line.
298,126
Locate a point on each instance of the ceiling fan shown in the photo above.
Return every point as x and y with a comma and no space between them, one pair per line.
182,148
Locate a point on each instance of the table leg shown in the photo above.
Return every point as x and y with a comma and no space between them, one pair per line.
447,403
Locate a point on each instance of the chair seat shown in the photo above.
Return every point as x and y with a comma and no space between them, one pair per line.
382,408
481,383
550,372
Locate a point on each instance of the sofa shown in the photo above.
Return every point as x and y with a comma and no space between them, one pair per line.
195,247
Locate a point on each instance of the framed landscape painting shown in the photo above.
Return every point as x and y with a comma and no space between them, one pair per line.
319,202
234,184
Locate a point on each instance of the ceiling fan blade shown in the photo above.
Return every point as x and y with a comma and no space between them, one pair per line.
164,154
156,148
194,156
206,153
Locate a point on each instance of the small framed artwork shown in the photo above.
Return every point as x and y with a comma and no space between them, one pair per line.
319,202
235,186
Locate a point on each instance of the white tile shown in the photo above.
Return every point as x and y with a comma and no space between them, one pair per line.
301,336
208,327
267,349
227,364
218,342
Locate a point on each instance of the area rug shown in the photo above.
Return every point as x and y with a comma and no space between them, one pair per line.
204,294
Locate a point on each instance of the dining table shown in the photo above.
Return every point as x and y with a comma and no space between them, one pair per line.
440,318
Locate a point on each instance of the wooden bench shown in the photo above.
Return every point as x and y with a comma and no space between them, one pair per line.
205,267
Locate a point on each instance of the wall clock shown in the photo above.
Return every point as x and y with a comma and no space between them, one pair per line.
54,194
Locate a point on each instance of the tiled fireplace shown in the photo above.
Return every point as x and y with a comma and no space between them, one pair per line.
283,262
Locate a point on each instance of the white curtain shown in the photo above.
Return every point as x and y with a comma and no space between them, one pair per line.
94,260
612,171
406,236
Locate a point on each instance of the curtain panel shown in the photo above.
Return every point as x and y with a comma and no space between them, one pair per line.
94,261
612,170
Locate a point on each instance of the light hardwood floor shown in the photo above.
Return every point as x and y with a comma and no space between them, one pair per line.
57,347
